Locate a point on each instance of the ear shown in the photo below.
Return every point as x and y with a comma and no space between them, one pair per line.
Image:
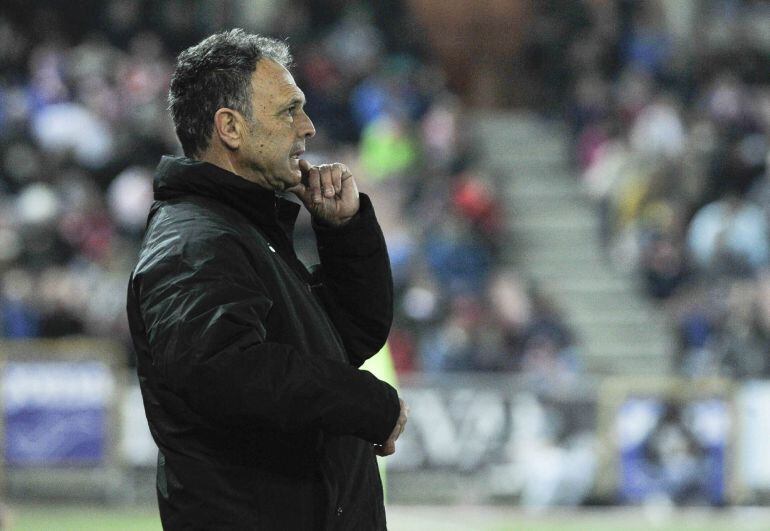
228,128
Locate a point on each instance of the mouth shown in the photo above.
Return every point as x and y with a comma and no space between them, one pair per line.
295,155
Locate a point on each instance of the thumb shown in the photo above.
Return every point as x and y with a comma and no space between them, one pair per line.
301,189
304,168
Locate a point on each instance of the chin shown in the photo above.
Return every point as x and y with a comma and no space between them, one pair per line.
289,180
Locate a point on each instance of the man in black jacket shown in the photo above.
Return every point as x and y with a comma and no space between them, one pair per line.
247,362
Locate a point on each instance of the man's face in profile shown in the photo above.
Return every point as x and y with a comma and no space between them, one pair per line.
276,136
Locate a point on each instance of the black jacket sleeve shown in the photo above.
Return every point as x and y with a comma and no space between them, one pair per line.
356,281
204,313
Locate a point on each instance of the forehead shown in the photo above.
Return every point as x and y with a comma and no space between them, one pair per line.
271,82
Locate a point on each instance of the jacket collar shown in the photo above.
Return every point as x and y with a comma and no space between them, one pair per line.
179,176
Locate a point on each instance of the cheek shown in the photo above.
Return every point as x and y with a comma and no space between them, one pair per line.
275,142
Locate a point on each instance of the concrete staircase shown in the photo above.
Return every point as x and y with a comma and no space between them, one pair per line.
554,231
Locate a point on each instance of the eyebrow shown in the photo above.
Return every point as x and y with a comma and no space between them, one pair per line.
296,100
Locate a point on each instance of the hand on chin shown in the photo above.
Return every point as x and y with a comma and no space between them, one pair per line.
328,191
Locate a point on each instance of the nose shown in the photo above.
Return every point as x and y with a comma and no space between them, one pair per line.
306,127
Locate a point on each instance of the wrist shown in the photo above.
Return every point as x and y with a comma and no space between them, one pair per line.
333,223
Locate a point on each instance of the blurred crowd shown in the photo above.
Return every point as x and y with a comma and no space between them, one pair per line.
669,109
83,122
670,114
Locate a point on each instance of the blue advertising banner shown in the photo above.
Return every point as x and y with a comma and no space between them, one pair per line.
673,449
56,413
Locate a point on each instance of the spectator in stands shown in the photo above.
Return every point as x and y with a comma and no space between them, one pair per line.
729,236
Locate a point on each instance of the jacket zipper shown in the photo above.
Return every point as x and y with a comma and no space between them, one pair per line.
288,261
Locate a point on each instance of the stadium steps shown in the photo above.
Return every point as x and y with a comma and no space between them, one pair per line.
554,235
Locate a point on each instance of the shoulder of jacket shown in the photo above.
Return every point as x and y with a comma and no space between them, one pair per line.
185,227
197,213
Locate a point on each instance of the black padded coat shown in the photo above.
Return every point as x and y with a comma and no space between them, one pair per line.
248,363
